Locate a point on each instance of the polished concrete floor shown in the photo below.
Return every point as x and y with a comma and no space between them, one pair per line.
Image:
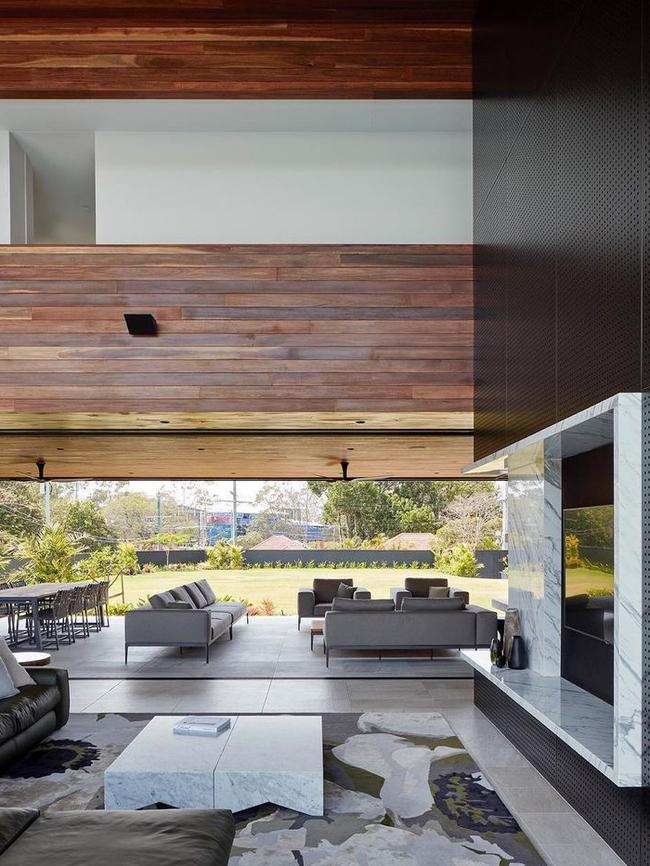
267,647
559,833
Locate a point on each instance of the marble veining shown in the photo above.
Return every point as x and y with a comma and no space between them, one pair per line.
578,718
534,551
261,759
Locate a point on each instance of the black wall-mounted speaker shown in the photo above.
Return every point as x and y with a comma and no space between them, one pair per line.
141,324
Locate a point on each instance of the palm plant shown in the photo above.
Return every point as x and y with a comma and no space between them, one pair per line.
50,554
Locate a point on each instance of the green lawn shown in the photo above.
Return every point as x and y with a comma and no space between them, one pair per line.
281,584
583,580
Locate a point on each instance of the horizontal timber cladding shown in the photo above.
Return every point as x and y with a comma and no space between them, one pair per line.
236,49
268,329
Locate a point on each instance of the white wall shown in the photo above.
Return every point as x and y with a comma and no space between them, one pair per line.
21,194
277,187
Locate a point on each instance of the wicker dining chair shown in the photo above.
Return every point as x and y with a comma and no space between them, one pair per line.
78,613
92,604
104,587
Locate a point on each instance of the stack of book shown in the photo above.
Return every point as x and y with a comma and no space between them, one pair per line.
202,726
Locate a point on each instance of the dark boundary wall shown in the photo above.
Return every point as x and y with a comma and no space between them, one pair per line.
620,815
561,195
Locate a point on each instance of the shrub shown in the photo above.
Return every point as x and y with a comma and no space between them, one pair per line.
224,555
267,606
50,555
459,560
572,552
119,609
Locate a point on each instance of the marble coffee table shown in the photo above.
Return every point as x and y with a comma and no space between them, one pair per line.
261,759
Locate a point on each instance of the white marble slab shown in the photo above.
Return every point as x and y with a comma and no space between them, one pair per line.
261,759
578,718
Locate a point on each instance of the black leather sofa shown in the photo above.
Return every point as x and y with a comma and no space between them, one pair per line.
34,713
168,837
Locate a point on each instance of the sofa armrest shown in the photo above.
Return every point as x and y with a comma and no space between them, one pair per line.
486,624
170,627
361,592
55,677
459,593
398,594
306,602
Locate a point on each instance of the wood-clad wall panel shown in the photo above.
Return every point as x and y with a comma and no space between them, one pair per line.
371,330
245,49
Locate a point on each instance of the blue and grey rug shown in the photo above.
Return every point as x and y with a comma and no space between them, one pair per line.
399,788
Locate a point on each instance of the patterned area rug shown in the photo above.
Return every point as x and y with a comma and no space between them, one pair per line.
399,788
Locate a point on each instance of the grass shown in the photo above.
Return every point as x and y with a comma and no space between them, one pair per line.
282,584
582,580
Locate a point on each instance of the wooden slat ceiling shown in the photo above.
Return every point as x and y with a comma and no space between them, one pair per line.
236,49
214,455
249,336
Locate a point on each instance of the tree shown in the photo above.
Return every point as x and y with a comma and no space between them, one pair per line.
130,515
419,519
168,541
294,501
270,522
471,518
21,508
50,555
84,521
361,509
435,495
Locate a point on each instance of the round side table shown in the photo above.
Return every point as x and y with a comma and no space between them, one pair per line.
32,659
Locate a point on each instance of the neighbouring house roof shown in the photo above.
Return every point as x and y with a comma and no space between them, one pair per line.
409,541
279,542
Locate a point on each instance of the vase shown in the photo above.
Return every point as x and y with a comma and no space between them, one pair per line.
517,657
495,649
511,627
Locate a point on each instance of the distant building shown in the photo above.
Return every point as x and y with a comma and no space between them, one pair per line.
279,542
410,541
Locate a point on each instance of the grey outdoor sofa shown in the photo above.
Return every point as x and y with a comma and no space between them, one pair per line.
419,587
185,616
420,624
315,602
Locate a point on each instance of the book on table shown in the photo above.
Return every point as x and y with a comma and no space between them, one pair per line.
202,726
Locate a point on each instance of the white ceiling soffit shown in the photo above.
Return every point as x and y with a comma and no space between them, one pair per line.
216,115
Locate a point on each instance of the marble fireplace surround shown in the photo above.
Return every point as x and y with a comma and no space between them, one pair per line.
533,470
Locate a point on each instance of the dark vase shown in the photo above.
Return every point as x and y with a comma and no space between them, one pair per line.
495,649
517,657
501,661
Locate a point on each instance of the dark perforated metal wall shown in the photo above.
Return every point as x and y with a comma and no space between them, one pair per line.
560,207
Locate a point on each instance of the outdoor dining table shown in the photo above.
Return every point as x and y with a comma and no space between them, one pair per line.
31,595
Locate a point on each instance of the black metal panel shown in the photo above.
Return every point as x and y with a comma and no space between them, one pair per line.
620,815
597,88
491,320
646,598
531,403
558,124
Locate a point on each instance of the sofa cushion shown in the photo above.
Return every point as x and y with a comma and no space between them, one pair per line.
12,824
207,591
234,609
165,837
321,609
344,590
181,594
438,592
28,706
7,687
195,594
325,588
161,599
361,605
411,605
419,586
18,674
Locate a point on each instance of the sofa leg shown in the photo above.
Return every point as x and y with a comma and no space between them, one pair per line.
126,653
247,618
327,658
207,653
230,632
298,623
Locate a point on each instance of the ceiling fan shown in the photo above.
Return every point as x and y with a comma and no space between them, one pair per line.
344,476
42,478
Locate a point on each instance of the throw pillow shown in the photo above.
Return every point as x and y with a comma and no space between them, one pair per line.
7,687
438,592
195,594
345,591
19,675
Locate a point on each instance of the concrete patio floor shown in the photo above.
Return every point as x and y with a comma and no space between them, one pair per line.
560,834
268,647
